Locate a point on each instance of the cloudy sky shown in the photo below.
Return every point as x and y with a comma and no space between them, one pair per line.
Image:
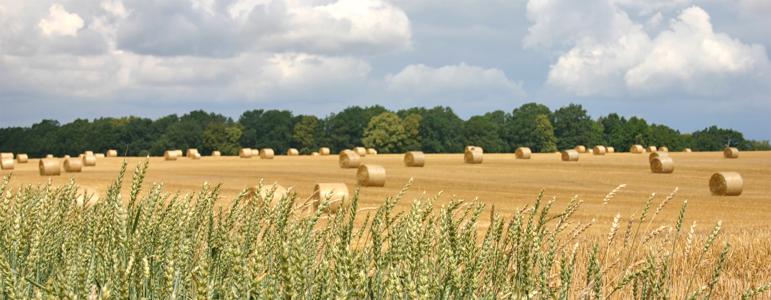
688,64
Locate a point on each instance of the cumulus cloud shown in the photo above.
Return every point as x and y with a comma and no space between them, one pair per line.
60,22
687,57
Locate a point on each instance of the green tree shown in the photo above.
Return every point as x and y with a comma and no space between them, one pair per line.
441,131
520,130
714,138
572,126
305,133
412,130
346,129
270,129
545,141
224,138
484,131
615,131
385,133
661,135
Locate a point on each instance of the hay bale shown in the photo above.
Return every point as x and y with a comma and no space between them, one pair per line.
245,153
731,152
570,155
663,149
610,149
637,149
266,153
49,167
371,175
89,161
473,155
269,193
652,149
361,151
655,155
324,151
22,158
73,165
88,153
216,153
196,156
414,159
662,164
5,155
349,159
112,153
580,149
599,150
292,152
7,164
335,193
49,156
66,156
371,151
687,150
726,184
191,152
99,155
523,153
315,154
170,155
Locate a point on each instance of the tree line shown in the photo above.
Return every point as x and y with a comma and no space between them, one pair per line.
432,130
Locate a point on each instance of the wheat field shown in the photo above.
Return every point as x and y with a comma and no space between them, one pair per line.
507,187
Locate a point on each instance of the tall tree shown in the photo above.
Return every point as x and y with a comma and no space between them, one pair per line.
441,130
412,130
545,141
385,133
520,130
484,131
572,126
346,129
306,133
714,138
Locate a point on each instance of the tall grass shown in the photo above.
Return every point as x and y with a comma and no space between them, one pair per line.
156,245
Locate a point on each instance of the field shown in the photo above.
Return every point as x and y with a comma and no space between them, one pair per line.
507,184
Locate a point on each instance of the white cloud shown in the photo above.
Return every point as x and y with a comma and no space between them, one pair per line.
60,22
688,57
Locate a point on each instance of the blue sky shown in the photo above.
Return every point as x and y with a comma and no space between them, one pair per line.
687,64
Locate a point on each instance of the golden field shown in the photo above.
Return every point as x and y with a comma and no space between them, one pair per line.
508,184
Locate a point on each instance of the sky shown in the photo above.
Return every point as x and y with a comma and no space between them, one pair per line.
686,64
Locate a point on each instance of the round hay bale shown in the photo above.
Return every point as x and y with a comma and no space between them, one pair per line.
361,151
656,155
49,156
570,155
89,161
610,149
652,149
470,148
7,164
216,153
371,175
663,149
324,151
315,154
266,153
170,155
191,152
335,193
49,167
22,158
523,153
726,184
414,159
5,155
88,153
599,150
196,156
473,155
292,152
73,165
637,149
66,156
245,153
112,153
269,193
371,151
349,159
688,150
731,152
99,155
662,164
580,149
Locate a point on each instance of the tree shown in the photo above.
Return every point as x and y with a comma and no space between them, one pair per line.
267,129
441,131
545,141
412,131
661,135
305,133
219,136
385,133
484,132
716,139
520,130
572,126
346,129
615,131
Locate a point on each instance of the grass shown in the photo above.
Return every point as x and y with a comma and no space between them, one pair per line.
156,245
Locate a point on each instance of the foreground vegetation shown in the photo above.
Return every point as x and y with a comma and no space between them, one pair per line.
157,245
434,130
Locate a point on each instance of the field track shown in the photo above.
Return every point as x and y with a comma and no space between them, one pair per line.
502,181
